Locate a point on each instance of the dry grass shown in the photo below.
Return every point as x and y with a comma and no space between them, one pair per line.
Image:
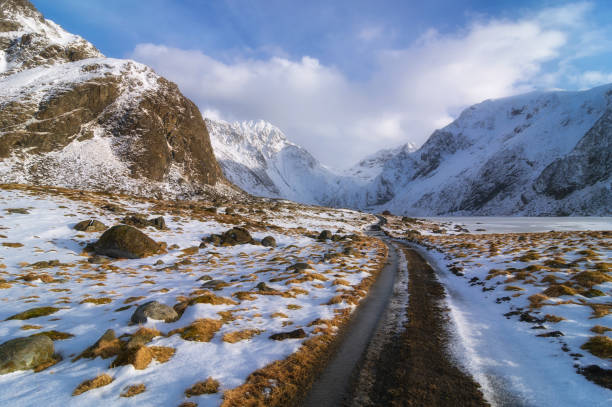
283,382
99,381
553,318
210,298
97,301
34,313
55,335
590,278
237,336
133,390
162,354
201,330
558,291
600,329
279,315
208,386
600,310
600,346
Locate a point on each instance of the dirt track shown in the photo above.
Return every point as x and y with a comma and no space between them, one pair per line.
413,368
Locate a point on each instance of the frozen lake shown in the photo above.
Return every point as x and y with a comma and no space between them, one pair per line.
509,224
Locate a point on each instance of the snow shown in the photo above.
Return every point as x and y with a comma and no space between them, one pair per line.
513,365
47,234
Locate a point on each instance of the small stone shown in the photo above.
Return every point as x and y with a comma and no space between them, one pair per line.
90,225
297,334
154,310
297,267
325,235
268,241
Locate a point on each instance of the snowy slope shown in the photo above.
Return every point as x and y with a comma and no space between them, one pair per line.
499,158
257,157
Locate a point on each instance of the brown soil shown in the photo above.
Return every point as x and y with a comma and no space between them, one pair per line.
414,369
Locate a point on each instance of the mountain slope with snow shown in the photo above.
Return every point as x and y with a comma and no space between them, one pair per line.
71,117
257,157
542,153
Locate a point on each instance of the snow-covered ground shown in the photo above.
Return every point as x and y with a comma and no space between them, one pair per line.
522,305
46,233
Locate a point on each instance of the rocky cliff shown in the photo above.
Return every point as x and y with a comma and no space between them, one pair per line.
71,117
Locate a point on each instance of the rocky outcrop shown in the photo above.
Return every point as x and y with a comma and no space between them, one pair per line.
70,117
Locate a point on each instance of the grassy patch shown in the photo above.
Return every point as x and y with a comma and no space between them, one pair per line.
201,330
99,381
97,301
600,346
237,336
55,335
133,390
208,386
34,313
600,329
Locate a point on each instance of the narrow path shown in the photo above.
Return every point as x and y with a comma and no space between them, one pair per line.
334,384
414,368
394,350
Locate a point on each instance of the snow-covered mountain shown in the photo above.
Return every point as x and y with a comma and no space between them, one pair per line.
542,153
257,157
71,117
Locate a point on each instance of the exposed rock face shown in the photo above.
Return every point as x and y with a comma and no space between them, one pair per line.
154,310
124,241
72,118
588,163
25,353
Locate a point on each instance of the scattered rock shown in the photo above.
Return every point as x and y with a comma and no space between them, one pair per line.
154,310
297,334
325,235
124,241
268,241
553,334
140,221
236,236
25,353
98,260
90,225
298,267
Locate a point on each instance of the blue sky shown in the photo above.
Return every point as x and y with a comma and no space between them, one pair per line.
345,78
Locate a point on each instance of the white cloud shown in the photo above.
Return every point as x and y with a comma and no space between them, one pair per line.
412,92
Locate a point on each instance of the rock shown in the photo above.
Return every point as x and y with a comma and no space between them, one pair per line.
214,239
386,213
297,267
297,334
124,241
215,284
154,310
90,225
325,235
98,260
25,353
349,251
263,287
236,236
140,222
268,241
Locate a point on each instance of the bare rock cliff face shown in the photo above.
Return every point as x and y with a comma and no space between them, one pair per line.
71,117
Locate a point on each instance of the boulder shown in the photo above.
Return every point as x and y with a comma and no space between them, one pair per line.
236,236
25,353
268,241
124,241
90,225
154,310
297,334
298,267
325,235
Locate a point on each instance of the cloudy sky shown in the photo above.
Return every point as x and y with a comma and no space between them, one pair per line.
345,78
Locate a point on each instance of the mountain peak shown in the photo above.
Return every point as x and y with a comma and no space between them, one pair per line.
28,40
